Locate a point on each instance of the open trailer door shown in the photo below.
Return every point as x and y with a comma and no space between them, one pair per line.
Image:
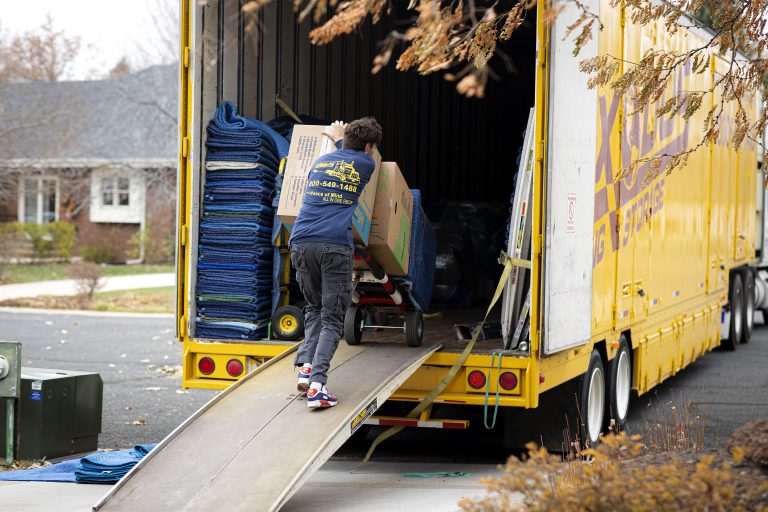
570,191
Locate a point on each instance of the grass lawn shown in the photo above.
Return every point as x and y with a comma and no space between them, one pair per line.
28,273
145,300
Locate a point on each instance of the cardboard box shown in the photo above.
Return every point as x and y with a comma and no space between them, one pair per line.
308,143
390,240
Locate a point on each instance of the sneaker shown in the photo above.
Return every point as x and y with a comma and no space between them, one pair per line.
303,383
320,398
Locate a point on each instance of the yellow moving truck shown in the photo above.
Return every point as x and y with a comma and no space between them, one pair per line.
630,280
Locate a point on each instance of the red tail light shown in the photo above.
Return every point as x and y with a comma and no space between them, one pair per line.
206,365
508,381
234,367
476,379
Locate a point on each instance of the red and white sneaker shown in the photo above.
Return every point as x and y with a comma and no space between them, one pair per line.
303,383
320,398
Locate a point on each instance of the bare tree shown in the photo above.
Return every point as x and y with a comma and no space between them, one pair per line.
161,44
43,55
121,69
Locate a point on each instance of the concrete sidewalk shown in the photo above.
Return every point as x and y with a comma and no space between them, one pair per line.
64,287
339,486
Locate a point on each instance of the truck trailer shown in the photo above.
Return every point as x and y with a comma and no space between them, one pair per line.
631,279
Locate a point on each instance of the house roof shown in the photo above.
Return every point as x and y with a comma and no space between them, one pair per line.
130,119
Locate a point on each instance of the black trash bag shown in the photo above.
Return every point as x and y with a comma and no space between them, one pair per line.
454,267
485,224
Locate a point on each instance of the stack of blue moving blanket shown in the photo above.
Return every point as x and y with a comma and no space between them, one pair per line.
234,287
96,468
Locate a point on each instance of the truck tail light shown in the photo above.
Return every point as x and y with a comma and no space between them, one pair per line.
206,365
508,381
234,367
476,379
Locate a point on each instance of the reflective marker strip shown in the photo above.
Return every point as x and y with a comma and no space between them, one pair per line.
403,422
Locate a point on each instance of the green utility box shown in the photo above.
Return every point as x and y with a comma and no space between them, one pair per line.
58,413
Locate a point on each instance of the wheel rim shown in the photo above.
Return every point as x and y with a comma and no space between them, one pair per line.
420,327
737,312
750,312
622,385
287,323
595,404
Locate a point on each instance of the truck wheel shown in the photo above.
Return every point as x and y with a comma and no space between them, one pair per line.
619,387
592,401
288,323
749,305
414,328
736,300
353,325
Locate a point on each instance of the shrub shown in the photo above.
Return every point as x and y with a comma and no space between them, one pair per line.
102,252
87,278
63,234
604,480
52,239
11,239
157,248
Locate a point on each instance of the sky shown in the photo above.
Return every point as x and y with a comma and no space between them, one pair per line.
108,29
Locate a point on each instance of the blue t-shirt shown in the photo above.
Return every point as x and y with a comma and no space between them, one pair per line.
335,183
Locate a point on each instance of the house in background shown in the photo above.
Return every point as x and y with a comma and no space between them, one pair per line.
99,154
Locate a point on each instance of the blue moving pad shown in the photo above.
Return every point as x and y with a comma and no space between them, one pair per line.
98,467
227,118
61,472
230,330
421,264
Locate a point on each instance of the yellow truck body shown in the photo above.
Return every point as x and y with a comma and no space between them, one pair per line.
663,249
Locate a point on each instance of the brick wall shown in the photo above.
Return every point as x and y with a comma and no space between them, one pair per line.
9,199
74,207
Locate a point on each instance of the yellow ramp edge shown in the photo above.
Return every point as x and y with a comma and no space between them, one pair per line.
254,445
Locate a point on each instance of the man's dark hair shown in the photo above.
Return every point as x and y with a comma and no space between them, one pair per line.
360,132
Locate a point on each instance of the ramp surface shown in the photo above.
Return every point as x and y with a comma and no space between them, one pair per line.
253,446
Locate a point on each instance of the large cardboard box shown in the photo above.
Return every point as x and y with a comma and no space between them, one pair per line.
308,143
390,240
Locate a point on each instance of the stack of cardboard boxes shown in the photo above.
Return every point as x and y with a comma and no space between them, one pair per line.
382,219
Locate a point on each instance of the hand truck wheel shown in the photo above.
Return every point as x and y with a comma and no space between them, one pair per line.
414,328
353,325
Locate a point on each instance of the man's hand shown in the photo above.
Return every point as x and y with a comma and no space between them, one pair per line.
336,130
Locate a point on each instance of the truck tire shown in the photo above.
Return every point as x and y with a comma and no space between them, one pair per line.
619,387
592,401
414,328
748,278
736,301
353,325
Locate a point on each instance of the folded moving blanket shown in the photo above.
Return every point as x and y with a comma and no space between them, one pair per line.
247,208
262,173
98,467
224,165
227,118
230,330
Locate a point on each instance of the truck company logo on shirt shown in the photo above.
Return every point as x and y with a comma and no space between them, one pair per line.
347,179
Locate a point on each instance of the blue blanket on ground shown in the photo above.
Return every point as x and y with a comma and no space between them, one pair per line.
98,468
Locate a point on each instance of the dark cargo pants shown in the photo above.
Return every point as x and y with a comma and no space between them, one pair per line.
324,273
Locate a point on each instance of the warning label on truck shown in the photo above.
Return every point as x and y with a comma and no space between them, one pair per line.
366,413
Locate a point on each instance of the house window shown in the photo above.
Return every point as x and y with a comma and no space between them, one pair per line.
117,195
115,191
39,200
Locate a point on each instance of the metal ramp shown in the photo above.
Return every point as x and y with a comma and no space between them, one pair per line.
253,445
